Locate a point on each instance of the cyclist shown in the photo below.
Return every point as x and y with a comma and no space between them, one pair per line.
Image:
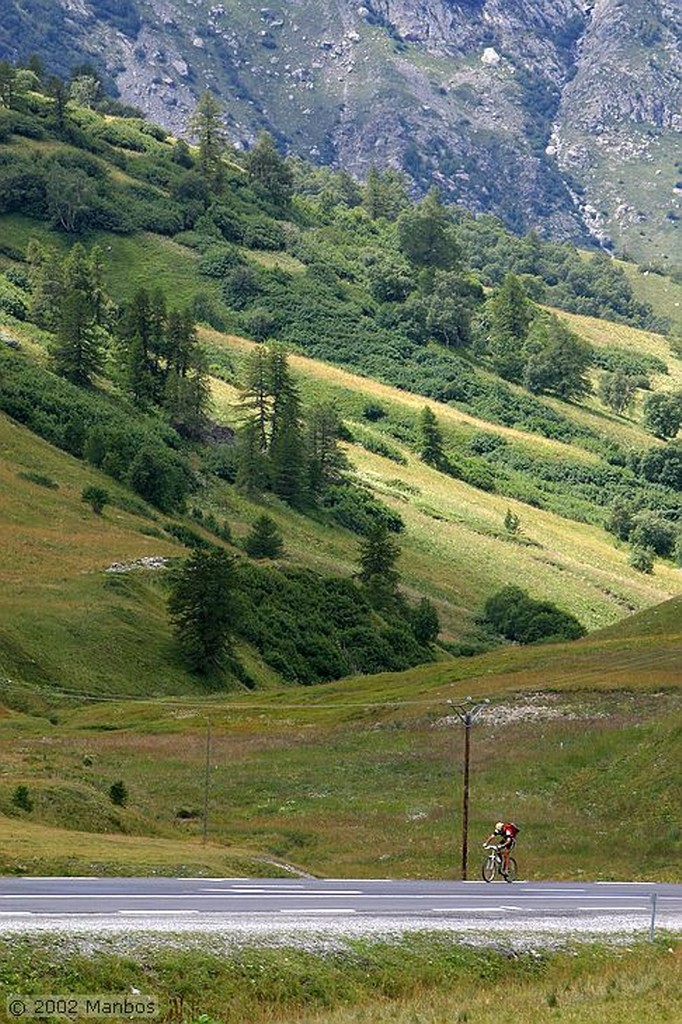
504,834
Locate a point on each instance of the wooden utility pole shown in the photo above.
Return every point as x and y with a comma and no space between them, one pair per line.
207,771
467,713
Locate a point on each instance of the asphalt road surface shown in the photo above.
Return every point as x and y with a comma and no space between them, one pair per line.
254,906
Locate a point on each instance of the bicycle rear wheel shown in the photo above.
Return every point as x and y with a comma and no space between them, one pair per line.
488,869
511,872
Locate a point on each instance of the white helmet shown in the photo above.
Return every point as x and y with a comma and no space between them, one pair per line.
499,826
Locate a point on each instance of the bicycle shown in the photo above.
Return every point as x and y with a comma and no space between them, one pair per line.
492,865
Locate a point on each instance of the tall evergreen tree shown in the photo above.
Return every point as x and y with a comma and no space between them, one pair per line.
256,396
379,552
327,461
269,171
202,608
78,351
558,360
208,127
425,234
288,462
431,441
286,402
252,467
510,314
79,348
47,285
265,539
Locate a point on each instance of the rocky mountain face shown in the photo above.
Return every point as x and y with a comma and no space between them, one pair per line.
561,115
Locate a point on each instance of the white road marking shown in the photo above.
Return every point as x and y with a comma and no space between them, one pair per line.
330,910
253,891
155,913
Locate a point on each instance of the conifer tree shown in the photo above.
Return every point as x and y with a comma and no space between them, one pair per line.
327,461
265,539
268,170
425,236
256,395
47,285
431,447
288,461
510,315
202,608
286,402
78,351
379,552
207,125
252,475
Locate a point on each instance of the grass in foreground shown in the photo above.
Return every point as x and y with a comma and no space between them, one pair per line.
423,979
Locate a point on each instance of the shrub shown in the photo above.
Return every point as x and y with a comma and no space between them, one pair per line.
373,412
642,559
651,531
97,498
118,793
516,616
219,260
40,479
21,798
12,299
358,510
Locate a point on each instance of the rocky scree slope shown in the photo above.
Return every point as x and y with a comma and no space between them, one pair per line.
530,110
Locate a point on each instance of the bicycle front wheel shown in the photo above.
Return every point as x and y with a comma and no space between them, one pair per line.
488,869
511,870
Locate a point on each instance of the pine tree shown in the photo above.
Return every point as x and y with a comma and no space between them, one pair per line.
510,316
286,402
265,539
379,552
327,461
135,337
425,236
78,351
288,461
256,396
202,608
207,125
268,170
47,285
431,447
252,468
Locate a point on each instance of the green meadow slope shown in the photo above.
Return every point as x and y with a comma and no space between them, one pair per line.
580,742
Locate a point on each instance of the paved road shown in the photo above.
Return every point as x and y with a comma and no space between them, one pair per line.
207,904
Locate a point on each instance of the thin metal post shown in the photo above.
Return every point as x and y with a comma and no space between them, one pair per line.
652,923
465,795
207,770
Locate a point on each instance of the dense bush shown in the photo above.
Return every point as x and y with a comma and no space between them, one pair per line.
311,628
89,426
358,510
516,616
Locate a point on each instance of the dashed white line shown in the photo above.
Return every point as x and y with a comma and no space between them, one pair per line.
156,913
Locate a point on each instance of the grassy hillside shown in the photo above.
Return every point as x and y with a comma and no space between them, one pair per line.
357,776
580,744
